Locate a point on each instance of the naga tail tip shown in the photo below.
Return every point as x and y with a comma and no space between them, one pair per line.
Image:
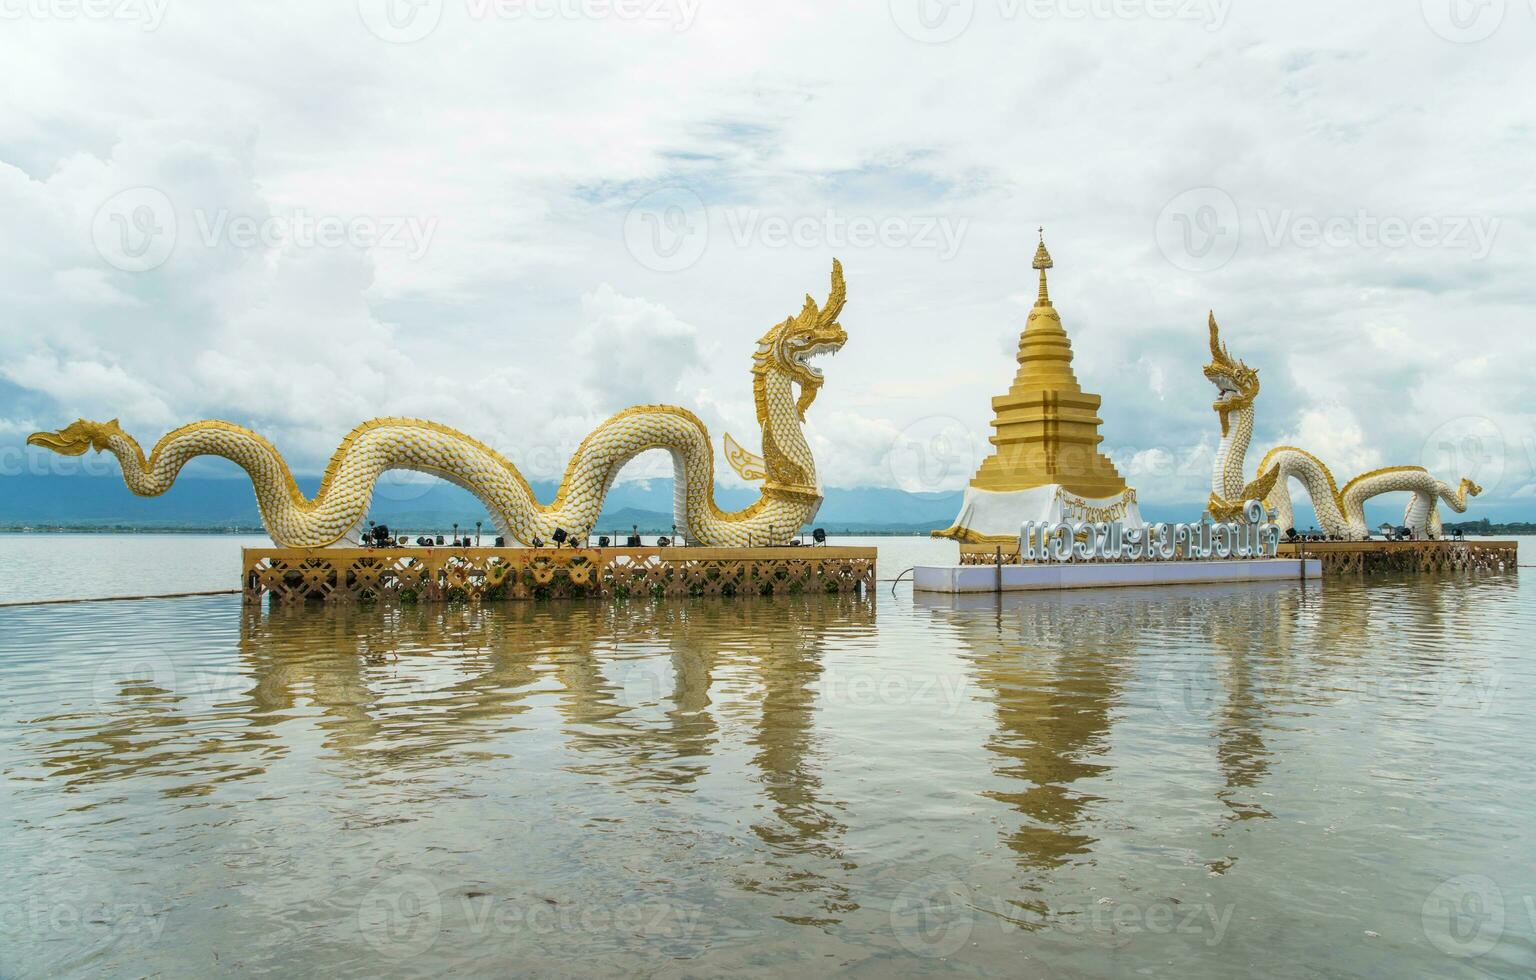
74,439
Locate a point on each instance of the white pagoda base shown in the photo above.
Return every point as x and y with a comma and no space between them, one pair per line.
989,515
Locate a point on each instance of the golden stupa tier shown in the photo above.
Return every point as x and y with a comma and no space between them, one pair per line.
1046,439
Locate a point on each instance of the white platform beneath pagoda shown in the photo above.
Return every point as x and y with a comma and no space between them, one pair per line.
957,579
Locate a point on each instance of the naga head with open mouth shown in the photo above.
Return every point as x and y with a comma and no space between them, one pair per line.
790,345
1237,384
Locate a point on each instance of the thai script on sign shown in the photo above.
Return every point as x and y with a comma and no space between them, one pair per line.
1111,540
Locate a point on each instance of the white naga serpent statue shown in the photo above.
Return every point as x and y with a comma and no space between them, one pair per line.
790,493
1341,513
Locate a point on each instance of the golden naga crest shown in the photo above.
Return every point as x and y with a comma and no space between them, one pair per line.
788,348
1237,382
74,439
790,345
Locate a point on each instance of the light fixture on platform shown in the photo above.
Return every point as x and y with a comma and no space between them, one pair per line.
819,535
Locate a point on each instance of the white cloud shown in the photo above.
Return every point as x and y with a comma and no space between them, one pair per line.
523,146
633,351
1332,434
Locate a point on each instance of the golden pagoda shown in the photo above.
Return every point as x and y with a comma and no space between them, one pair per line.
1046,439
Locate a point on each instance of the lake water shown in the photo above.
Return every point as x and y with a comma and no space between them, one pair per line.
1201,782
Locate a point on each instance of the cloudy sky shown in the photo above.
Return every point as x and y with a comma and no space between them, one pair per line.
517,217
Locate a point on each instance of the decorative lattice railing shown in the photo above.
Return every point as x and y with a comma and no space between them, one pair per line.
292,575
1345,557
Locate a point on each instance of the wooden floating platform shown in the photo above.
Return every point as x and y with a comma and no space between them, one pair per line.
1345,557
295,575
1422,557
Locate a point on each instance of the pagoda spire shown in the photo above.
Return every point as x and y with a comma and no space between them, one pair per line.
1043,262
1047,427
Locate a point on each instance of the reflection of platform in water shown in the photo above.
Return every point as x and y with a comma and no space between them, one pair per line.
1083,599
1033,577
1339,557
1343,556
492,574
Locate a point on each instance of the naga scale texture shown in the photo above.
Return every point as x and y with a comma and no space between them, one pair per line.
790,492
1340,512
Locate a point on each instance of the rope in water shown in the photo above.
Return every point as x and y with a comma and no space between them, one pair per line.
114,598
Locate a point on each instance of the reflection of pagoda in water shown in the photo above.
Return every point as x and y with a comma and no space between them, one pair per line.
1046,464
1061,673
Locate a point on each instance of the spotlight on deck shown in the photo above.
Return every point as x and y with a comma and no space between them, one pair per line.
663,542
537,542
819,535
559,535
602,540
501,541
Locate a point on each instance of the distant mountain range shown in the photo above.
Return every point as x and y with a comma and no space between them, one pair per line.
78,502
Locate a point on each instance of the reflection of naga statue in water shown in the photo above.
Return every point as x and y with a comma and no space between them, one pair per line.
1341,513
790,494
